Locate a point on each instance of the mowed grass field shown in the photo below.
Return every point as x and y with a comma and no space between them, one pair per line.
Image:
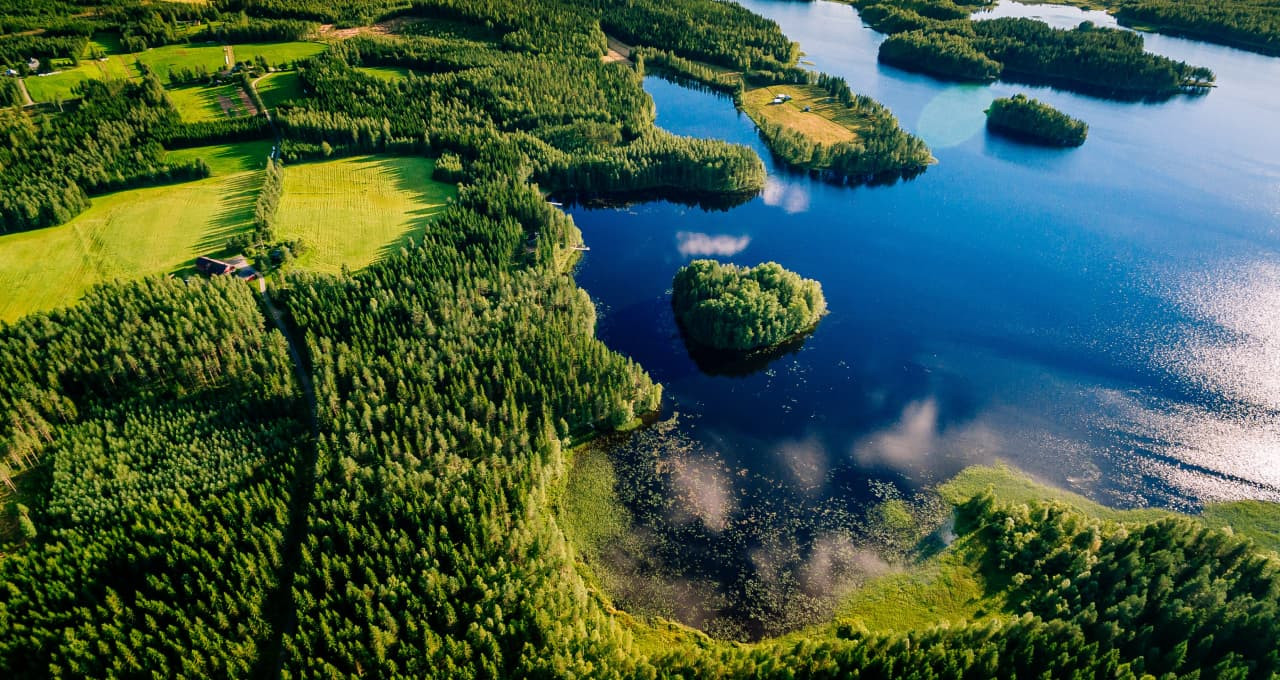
351,212
132,234
828,122
161,60
277,54
196,103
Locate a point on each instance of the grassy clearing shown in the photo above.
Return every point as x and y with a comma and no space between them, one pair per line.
948,590
827,122
352,211
388,73
277,54
60,85
278,88
197,103
116,64
226,159
55,86
125,235
1014,486
1258,520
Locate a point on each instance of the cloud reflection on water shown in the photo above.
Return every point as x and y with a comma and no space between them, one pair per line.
791,197
695,244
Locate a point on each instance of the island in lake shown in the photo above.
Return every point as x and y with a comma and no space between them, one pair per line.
727,307
1034,121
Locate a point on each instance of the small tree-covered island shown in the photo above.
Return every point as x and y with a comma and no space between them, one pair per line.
1033,120
727,307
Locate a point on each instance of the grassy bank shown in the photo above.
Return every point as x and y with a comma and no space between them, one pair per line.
826,122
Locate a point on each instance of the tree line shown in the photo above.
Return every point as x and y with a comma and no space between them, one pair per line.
1246,24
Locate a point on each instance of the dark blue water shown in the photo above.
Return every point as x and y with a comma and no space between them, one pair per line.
1105,318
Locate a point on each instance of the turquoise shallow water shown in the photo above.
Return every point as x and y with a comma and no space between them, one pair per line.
1106,318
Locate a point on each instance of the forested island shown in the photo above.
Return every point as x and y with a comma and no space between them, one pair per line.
937,37
727,307
359,469
1252,25
1033,120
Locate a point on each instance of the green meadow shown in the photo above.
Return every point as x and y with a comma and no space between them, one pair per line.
276,54
350,212
196,103
278,88
390,73
132,234
161,60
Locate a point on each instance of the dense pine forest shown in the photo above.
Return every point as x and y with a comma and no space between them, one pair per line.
369,487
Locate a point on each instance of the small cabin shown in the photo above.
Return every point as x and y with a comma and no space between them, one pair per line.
33,64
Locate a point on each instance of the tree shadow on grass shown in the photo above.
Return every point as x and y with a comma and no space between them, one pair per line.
433,199
234,215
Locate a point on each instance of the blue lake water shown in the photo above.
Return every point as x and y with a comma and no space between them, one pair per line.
1105,318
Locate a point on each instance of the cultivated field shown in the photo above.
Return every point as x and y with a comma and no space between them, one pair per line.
48,88
116,64
827,122
196,103
350,212
163,59
226,159
277,54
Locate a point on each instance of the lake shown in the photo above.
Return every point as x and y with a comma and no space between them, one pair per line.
1104,318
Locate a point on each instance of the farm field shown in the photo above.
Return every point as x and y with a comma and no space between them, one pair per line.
276,54
196,103
278,88
48,88
125,235
163,59
351,211
827,122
